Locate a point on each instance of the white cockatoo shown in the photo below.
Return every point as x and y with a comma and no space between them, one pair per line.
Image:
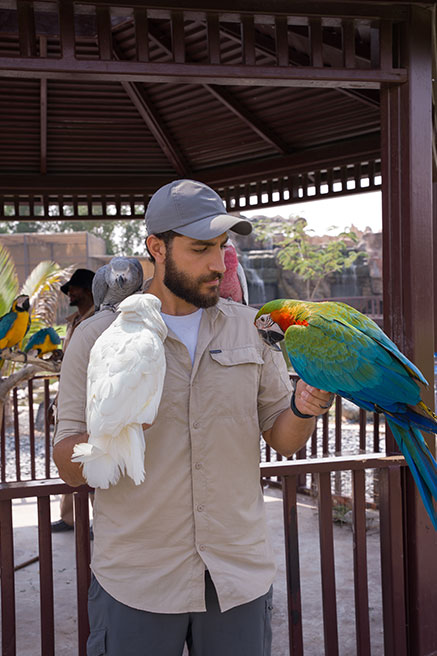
113,282
124,386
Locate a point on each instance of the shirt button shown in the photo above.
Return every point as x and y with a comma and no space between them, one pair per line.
200,508
198,465
196,424
202,547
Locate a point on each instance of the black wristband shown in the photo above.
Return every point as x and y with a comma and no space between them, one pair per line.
296,411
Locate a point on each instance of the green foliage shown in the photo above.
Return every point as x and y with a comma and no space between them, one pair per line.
299,253
43,288
8,281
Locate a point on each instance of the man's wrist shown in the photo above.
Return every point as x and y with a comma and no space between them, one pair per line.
297,412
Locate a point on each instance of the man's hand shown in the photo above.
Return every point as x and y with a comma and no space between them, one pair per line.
70,472
290,432
311,400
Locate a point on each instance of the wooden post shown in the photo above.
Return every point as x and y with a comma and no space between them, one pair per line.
406,135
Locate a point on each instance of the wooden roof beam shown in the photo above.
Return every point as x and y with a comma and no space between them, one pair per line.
43,110
323,8
225,97
143,104
266,45
151,118
303,161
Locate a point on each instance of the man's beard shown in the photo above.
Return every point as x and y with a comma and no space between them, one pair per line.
188,288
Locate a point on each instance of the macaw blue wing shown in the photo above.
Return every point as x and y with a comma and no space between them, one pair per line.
352,318
38,339
6,323
342,359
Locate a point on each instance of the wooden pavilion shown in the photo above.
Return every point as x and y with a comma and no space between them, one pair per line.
102,102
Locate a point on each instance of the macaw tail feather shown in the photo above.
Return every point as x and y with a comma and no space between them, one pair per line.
412,418
421,463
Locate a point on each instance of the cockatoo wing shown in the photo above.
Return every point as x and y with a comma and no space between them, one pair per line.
125,379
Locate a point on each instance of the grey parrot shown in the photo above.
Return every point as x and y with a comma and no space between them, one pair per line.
113,282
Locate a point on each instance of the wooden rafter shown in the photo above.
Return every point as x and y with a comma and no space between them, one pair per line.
43,110
144,105
225,97
151,118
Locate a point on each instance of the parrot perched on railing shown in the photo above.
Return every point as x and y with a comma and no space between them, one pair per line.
43,341
334,347
125,379
15,323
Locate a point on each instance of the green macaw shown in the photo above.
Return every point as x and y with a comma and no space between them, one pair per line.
334,347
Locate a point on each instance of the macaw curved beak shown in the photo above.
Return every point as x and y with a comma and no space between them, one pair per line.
26,305
271,337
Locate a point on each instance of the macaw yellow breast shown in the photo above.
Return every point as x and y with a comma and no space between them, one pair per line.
46,346
16,332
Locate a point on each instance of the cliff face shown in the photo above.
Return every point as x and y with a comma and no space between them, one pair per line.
262,269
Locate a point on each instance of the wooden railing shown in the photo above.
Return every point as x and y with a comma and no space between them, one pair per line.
392,557
289,472
30,450
27,465
42,490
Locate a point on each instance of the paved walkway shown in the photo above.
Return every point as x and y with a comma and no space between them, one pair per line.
27,582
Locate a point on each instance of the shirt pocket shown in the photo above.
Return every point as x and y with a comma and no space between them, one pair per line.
235,374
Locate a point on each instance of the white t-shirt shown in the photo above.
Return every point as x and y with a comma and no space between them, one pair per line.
185,327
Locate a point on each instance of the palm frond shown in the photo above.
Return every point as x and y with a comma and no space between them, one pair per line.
43,288
8,281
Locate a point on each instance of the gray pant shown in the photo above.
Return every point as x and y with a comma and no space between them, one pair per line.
118,630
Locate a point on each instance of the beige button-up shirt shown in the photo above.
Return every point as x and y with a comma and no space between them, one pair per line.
201,505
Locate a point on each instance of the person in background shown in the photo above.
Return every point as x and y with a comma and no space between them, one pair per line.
79,291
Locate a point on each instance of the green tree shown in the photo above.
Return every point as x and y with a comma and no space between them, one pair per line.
298,252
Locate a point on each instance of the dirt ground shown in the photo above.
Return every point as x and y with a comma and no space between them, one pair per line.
27,582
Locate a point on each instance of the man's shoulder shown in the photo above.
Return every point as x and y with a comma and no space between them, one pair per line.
94,326
233,309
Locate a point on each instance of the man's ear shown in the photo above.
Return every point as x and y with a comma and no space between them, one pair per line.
156,248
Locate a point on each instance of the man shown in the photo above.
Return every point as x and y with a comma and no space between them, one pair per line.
184,557
79,291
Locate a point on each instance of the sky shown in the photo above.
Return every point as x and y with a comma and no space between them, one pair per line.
360,210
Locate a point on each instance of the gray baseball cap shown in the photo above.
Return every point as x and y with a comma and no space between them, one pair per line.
192,209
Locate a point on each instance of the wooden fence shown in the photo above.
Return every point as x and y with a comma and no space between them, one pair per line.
391,553
315,470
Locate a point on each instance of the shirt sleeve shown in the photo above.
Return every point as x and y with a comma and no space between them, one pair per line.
275,388
71,403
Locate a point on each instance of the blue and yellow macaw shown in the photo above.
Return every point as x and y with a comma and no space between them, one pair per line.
15,323
43,341
334,347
